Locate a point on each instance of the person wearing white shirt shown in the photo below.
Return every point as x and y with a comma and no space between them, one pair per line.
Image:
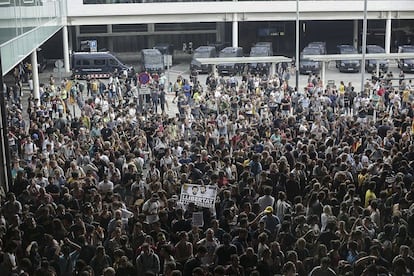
151,208
177,150
325,216
105,186
267,199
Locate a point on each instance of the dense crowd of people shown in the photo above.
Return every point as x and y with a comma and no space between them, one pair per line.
311,181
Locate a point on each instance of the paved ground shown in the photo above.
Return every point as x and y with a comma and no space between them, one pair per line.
181,67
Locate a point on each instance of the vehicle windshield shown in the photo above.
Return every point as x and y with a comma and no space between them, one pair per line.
228,54
258,52
153,58
202,54
407,50
348,51
376,50
311,51
316,44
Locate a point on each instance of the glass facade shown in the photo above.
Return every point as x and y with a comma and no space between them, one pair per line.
26,24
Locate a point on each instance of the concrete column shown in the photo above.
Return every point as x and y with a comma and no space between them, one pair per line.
220,32
388,33
323,72
70,41
272,69
110,38
35,76
150,38
235,31
77,33
66,49
214,70
355,38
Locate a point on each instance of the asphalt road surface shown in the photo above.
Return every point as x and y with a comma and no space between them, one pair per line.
182,68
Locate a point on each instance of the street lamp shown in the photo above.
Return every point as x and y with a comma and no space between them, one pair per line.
297,45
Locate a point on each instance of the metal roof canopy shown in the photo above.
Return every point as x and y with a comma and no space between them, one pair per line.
231,60
359,56
377,56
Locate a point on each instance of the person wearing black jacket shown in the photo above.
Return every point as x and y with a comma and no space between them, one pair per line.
194,262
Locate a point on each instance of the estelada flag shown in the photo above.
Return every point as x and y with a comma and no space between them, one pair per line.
356,145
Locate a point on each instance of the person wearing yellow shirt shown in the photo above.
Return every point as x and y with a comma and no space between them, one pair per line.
370,194
341,88
405,98
363,178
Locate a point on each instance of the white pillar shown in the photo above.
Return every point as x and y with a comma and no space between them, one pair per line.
323,73
35,75
110,38
388,33
272,69
77,34
214,70
66,48
70,42
220,32
150,37
355,40
235,31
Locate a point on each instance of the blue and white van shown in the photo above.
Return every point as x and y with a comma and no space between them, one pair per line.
98,65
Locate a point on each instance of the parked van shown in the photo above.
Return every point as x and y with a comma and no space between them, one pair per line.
202,52
167,51
307,66
268,45
152,61
230,68
259,68
319,44
371,64
97,65
406,64
347,65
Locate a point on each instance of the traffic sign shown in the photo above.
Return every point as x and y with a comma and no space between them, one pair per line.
144,91
93,44
144,78
59,63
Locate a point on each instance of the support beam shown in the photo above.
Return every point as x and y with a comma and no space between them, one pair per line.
323,73
272,69
110,38
150,39
377,70
70,41
220,32
35,75
65,48
235,31
214,70
355,39
364,45
297,39
77,35
388,33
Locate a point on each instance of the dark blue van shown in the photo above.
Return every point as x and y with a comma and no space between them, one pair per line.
97,65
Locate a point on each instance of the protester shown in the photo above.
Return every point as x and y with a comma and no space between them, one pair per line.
313,181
